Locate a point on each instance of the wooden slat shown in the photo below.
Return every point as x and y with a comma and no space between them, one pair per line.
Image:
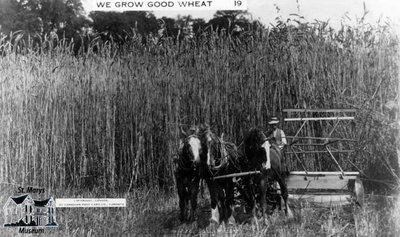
318,119
320,110
293,174
308,144
236,175
334,159
324,173
320,192
317,183
315,152
323,138
323,200
319,178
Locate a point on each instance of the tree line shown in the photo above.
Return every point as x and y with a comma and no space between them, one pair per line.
66,19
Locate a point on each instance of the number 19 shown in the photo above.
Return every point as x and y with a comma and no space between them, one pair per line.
237,3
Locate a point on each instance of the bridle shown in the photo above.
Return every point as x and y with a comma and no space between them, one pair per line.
184,164
223,154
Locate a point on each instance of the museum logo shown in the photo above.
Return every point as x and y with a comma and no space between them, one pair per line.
23,211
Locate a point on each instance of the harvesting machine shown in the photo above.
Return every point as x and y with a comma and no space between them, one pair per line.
319,148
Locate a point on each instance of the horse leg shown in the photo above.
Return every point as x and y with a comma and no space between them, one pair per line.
182,193
194,189
263,193
214,201
278,196
230,201
252,191
284,194
222,201
248,194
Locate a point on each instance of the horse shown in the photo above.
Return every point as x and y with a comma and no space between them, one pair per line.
219,158
187,174
253,156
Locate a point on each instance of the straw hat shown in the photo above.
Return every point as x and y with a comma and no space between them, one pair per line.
273,120
194,129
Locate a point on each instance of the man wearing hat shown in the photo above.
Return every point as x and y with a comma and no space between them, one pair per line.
278,143
278,134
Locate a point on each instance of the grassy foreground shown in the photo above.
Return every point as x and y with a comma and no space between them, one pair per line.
153,212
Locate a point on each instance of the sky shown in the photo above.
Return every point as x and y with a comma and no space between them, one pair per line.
323,10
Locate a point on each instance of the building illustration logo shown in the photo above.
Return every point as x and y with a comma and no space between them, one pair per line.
24,211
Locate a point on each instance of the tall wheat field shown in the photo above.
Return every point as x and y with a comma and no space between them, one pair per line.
106,121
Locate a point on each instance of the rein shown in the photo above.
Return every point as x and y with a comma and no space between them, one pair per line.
224,159
229,156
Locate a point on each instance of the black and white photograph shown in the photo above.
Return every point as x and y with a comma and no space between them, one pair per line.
200,118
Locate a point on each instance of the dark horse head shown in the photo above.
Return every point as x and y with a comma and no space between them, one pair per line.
257,154
219,158
187,173
256,148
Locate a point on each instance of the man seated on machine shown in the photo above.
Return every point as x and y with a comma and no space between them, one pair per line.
279,136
